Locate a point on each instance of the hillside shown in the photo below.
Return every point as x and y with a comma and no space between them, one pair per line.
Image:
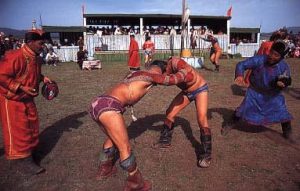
14,32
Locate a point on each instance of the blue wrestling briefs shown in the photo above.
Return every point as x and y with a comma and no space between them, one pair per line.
192,95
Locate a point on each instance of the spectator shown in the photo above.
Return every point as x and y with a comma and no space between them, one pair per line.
80,42
133,57
20,76
51,58
81,56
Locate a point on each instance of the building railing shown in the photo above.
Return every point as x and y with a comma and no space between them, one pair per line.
117,43
246,50
162,42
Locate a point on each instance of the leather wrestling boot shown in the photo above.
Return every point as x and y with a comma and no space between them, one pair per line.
166,136
26,166
136,182
217,68
106,170
205,158
286,130
107,166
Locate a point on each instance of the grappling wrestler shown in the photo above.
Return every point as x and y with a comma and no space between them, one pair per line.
107,111
194,88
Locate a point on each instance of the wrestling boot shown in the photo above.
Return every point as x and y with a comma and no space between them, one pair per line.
217,69
166,135
286,130
26,166
135,180
205,157
107,168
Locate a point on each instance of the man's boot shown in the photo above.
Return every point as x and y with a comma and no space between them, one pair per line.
206,139
107,166
135,180
217,69
286,130
166,134
26,166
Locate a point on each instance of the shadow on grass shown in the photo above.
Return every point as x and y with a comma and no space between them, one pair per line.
136,128
51,135
237,90
294,92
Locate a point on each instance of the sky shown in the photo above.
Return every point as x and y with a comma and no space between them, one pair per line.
270,15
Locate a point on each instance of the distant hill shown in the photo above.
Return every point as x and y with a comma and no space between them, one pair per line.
266,36
14,32
295,30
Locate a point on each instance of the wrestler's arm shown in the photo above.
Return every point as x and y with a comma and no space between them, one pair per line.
162,79
205,39
172,79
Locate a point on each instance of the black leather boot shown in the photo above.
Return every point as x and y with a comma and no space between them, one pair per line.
166,136
205,157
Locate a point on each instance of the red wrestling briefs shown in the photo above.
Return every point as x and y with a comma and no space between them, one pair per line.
105,103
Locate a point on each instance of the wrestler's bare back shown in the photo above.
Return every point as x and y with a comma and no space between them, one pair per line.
130,93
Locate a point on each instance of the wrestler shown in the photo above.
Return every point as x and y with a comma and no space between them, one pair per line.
193,88
107,111
148,48
215,51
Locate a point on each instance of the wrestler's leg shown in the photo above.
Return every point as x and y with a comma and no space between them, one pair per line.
116,129
146,60
217,58
201,103
113,126
178,104
212,58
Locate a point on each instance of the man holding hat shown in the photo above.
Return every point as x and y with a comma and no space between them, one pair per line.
20,75
264,103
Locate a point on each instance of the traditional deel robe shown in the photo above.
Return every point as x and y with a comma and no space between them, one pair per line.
18,111
264,103
134,58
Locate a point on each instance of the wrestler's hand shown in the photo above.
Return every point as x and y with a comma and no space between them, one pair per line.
240,81
29,90
46,79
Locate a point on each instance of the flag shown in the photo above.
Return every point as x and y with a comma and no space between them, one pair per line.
229,12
